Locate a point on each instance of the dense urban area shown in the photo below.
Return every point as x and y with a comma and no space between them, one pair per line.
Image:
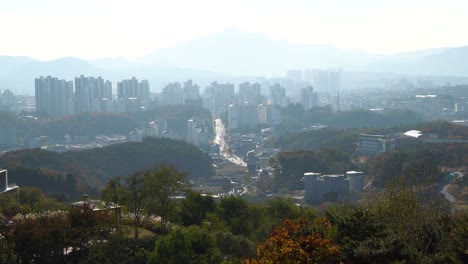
191,176
233,132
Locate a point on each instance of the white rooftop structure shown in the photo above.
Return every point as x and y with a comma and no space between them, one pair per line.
8,186
413,133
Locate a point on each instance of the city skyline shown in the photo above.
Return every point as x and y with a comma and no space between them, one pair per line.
87,29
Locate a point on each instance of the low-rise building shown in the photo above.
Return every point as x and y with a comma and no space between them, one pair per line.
333,187
370,145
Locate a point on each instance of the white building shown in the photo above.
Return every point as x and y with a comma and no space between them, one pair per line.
197,133
268,114
244,116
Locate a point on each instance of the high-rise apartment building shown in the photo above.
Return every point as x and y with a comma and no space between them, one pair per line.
92,94
268,114
327,81
244,116
197,133
190,91
54,96
132,88
218,97
249,93
309,98
7,100
278,95
172,94
132,94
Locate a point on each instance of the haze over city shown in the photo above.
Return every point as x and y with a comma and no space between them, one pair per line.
233,132
91,29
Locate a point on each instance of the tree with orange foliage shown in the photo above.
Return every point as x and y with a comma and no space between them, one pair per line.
298,242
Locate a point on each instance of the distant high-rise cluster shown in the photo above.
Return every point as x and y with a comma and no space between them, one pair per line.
323,80
278,95
172,94
92,94
177,94
218,97
133,88
54,96
327,81
249,116
249,93
57,97
191,94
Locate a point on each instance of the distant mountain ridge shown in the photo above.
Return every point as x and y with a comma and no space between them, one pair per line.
242,53
449,61
229,54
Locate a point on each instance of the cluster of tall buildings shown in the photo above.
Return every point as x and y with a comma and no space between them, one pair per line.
218,96
92,94
58,97
246,109
177,94
323,80
250,116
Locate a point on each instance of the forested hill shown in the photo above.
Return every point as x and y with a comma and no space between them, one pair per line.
94,167
86,124
346,139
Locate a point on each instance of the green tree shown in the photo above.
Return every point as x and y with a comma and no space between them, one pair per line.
137,199
195,207
160,184
363,238
186,245
419,219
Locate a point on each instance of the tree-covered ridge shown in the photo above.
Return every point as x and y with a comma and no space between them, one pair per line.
346,139
94,167
398,225
342,139
289,166
294,118
103,123
175,115
87,124
395,163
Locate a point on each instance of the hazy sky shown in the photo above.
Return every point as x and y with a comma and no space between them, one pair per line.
89,29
